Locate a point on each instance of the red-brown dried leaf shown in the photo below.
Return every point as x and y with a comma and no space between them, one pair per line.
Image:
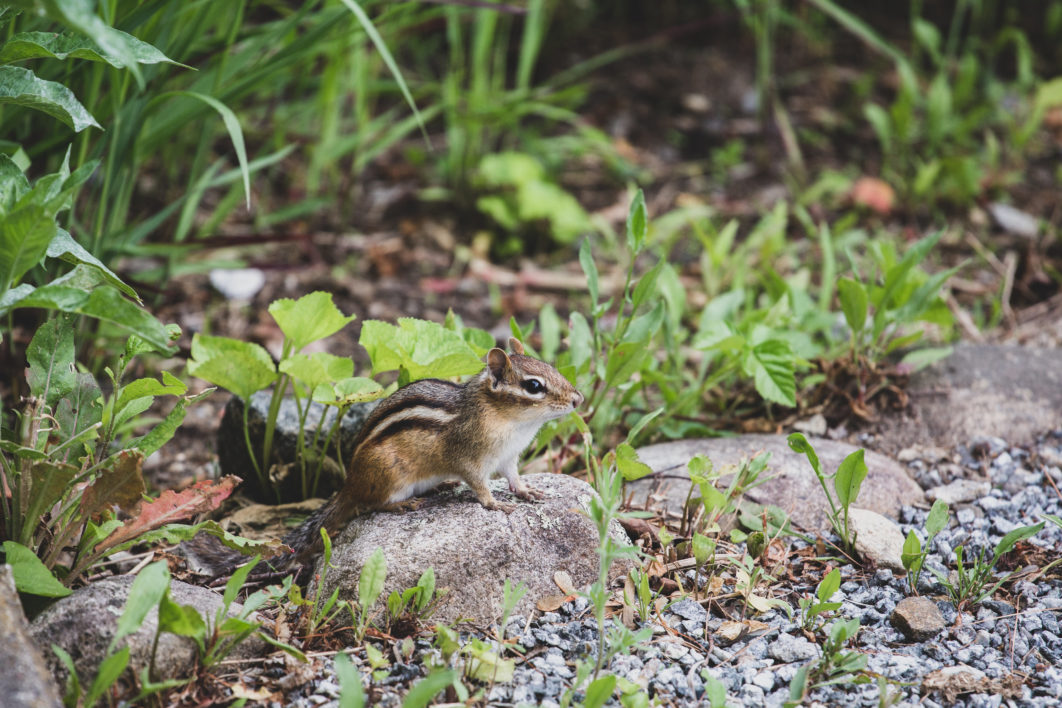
122,485
173,506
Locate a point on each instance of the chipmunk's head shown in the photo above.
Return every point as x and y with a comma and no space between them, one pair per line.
528,388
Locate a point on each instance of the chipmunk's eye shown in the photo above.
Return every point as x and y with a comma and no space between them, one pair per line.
533,385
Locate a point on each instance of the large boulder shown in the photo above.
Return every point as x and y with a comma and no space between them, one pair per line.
791,484
84,623
1014,393
25,680
474,550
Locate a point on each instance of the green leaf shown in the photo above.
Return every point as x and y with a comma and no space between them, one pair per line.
937,519
623,361
799,444
182,620
64,247
351,692
586,260
849,477
312,317
854,303
235,584
232,125
81,292
318,368
30,574
13,182
703,548
149,587
163,432
108,672
829,585
420,348
426,588
772,365
240,367
1019,534
356,389
22,87
371,581
48,481
646,285
637,223
138,395
580,342
629,465
24,237
598,692
912,551
49,45
423,691
51,361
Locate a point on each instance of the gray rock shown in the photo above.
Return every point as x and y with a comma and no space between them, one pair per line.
792,484
233,457
25,680
690,610
788,648
918,618
980,390
959,491
474,550
84,622
877,538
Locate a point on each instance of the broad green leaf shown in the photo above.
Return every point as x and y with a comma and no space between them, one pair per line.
481,341
240,367
598,692
22,87
629,465
703,548
426,588
714,690
580,342
312,317
510,169
13,182
49,45
147,590
717,334
317,368
25,234
1019,534
182,620
420,348
235,584
849,477
921,358
371,581
30,574
854,303
487,666
829,585
912,551
637,223
772,365
937,519
81,292
646,285
51,361
64,247
144,390
356,389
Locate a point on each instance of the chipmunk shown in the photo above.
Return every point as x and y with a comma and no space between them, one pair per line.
432,431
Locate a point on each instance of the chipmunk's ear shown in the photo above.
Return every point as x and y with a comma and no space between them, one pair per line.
500,366
516,346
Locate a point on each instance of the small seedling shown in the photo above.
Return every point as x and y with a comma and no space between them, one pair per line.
972,584
914,554
846,484
811,609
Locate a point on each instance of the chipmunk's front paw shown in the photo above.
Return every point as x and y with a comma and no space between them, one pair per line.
495,505
528,493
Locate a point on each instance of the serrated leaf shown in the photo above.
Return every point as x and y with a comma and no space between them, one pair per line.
30,574
318,368
171,506
79,409
21,87
420,348
240,367
772,365
25,234
629,465
849,477
38,45
312,317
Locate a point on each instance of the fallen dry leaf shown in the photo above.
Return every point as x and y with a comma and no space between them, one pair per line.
564,582
873,193
550,603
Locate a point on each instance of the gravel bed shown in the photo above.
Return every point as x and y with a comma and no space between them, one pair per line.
1015,641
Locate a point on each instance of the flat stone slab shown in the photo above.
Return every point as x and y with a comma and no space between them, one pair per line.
793,486
1010,392
473,550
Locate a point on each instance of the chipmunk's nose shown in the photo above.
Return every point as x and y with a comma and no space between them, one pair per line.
577,400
